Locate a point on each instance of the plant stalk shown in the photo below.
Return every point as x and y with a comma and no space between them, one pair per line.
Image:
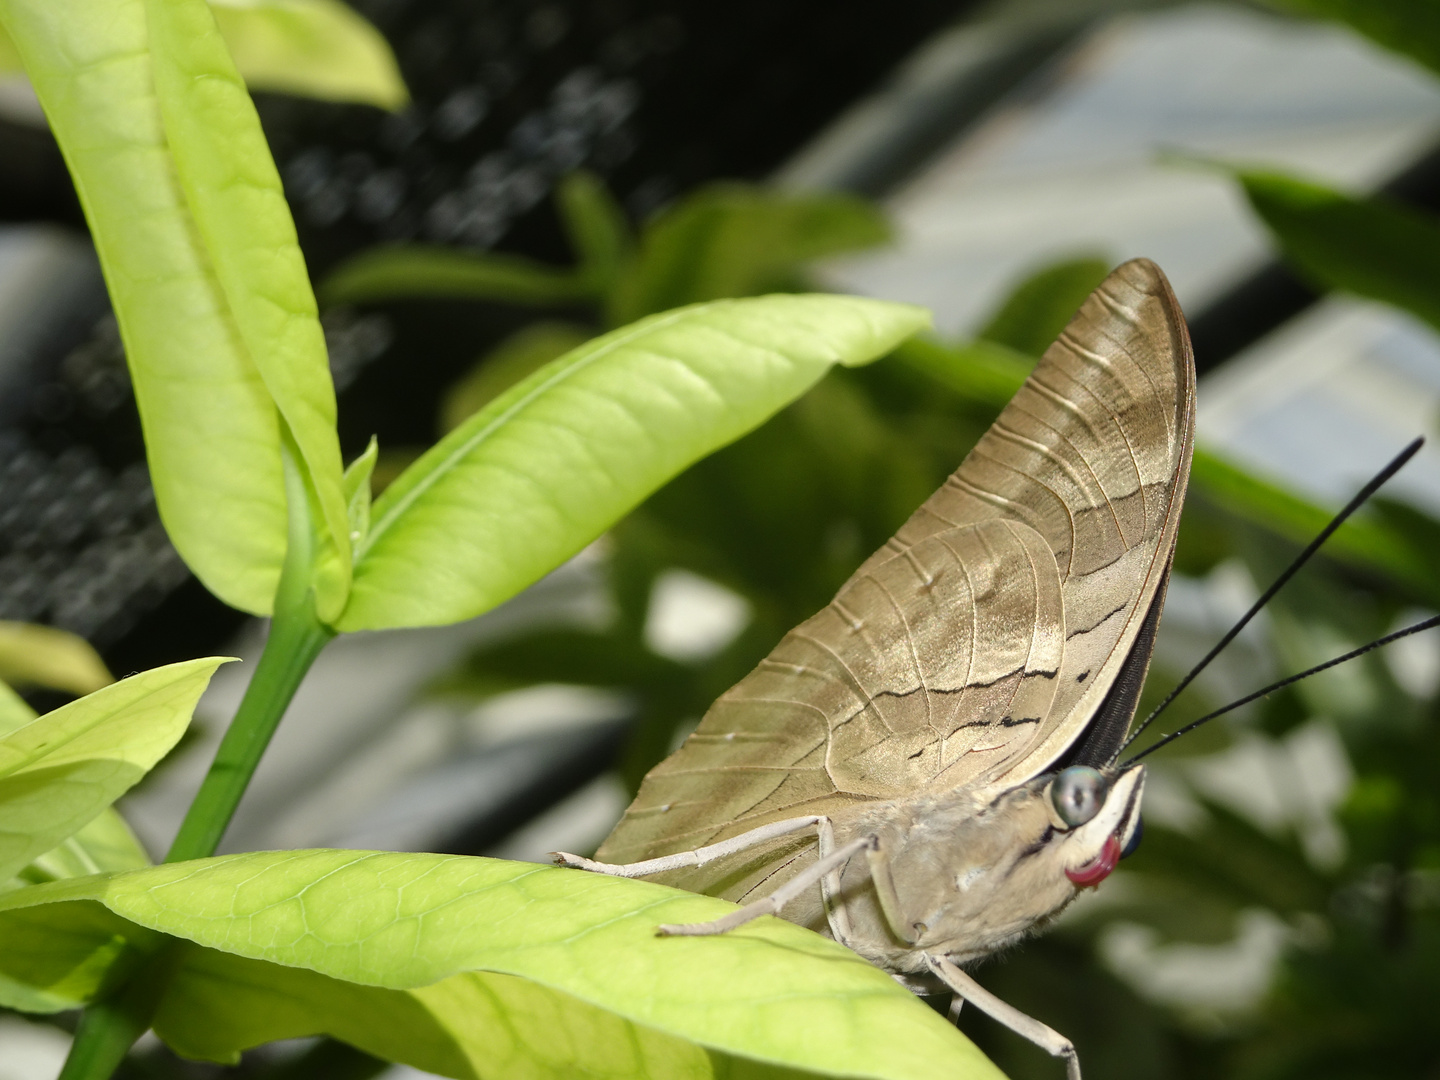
292,646
110,1026
107,1031
296,637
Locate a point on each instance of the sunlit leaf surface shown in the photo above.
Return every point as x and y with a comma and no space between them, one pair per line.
313,48
235,197
769,991
550,464
59,771
33,655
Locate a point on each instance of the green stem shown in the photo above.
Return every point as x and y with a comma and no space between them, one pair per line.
109,1027
107,1031
296,637
291,648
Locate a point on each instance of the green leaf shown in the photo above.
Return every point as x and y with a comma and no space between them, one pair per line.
314,48
61,770
106,844
15,711
235,196
1032,316
471,1025
770,991
739,240
357,493
517,357
1364,541
554,461
61,956
477,1024
984,372
597,228
1374,247
415,270
577,657
32,655
1409,27
159,187
10,62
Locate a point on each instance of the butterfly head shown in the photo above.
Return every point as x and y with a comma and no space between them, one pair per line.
1096,817
976,876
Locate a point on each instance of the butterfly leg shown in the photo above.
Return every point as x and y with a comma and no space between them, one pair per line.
836,913
1048,1039
701,856
824,869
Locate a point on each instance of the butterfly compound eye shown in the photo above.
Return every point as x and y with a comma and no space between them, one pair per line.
1078,793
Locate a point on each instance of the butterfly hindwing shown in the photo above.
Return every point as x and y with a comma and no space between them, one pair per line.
924,661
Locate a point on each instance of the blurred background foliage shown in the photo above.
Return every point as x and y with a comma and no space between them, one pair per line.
1349,906
782,517
1320,907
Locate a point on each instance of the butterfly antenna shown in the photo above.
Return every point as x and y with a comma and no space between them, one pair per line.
1361,497
1434,620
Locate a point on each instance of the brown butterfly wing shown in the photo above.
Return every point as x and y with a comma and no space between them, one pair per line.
916,663
1094,453
977,643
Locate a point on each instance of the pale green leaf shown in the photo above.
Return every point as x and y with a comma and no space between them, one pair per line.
211,428
106,844
15,711
10,63
477,1024
60,956
546,467
110,844
357,492
236,199
62,769
739,240
770,991
416,270
33,655
470,1025
516,358
314,48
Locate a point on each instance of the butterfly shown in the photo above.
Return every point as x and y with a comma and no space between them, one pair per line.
925,769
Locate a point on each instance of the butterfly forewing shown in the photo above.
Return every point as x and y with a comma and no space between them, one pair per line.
975,646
